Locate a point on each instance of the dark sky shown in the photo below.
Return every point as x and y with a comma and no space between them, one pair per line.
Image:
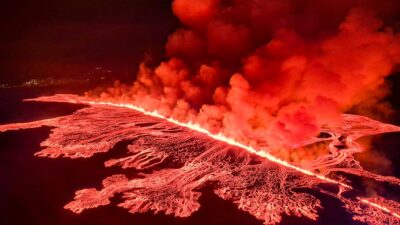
68,38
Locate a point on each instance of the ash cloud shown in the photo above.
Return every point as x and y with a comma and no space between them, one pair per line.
270,72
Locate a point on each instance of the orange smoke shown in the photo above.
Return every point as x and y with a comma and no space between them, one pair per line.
269,72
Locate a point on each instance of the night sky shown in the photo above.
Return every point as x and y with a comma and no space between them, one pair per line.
69,38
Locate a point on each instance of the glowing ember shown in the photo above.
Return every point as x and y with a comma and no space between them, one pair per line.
181,158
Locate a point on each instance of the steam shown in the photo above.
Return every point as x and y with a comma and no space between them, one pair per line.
269,72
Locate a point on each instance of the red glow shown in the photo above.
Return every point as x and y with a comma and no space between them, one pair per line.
381,207
104,124
246,88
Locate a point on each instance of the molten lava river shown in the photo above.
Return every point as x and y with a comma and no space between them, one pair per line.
176,160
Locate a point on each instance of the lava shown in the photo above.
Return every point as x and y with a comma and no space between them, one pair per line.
243,82
181,158
220,137
380,207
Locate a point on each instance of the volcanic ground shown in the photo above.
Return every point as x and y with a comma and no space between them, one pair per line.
166,165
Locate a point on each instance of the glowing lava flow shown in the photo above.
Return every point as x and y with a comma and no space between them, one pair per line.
181,158
383,208
220,137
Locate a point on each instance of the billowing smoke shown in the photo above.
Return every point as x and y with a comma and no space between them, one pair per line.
270,72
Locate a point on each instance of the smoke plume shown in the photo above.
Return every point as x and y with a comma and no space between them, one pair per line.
270,72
